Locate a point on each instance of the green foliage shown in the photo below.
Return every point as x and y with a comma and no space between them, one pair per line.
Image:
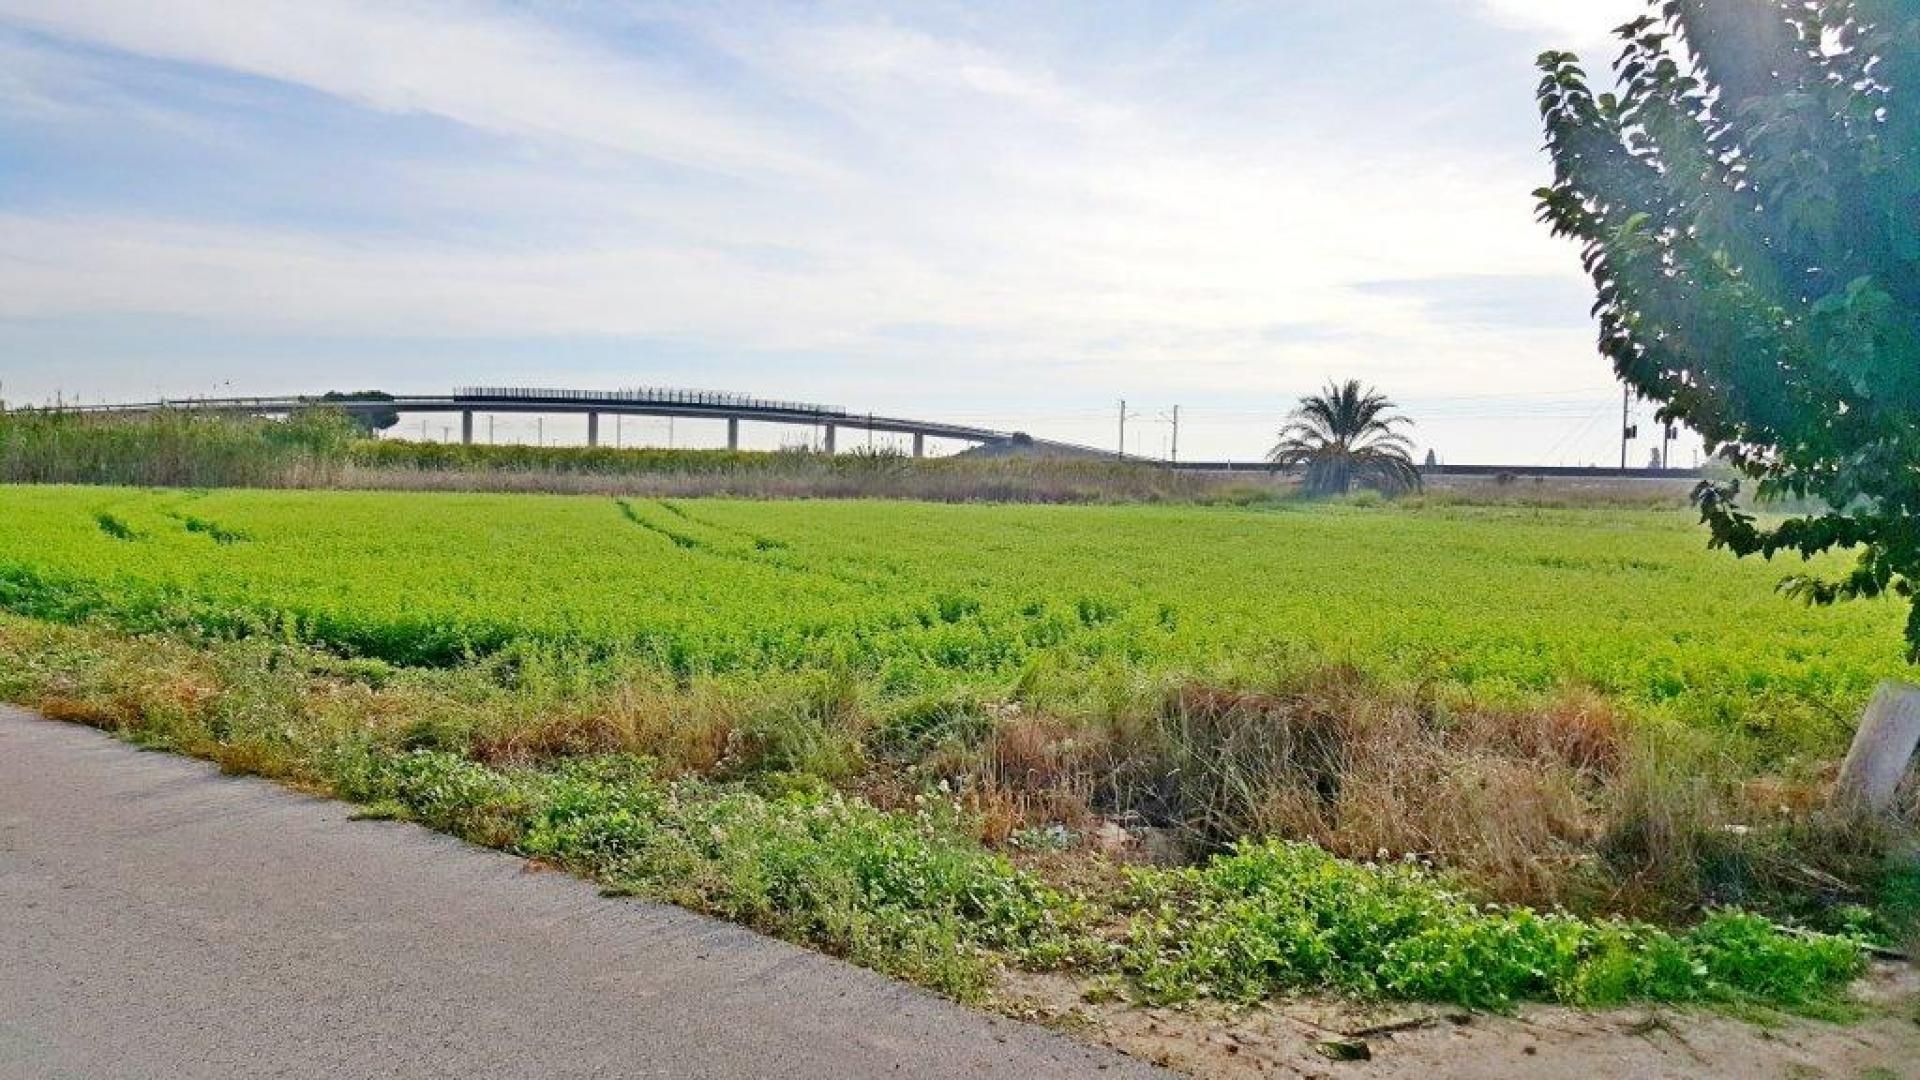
1748,205
929,607
1274,917
179,449
891,891
1346,436
368,413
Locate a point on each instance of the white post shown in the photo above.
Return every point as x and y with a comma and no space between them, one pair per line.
1882,749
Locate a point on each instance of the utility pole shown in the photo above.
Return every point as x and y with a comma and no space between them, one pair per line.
1124,416
1666,442
540,430
1174,453
1626,425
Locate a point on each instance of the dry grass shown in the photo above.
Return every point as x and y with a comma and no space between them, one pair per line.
687,733
1014,480
1566,803
1509,798
1031,770
988,481
1556,491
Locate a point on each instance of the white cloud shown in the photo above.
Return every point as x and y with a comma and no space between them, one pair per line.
478,66
1585,26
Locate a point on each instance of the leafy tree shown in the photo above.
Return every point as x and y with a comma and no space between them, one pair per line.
1748,205
1346,436
369,418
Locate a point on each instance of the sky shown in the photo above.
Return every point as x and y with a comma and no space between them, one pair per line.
995,212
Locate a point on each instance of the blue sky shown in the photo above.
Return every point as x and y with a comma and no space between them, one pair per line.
1003,212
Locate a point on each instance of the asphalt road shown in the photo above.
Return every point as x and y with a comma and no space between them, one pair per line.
160,920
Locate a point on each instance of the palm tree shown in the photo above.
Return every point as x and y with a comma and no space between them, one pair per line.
1346,436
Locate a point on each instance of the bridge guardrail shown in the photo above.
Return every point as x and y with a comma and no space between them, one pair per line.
645,395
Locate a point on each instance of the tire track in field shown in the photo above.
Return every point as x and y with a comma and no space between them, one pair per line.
688,542
760,542
767,552
919,610
116,517
193,523
680,540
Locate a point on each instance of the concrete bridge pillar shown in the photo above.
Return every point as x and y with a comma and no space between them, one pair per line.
919,444
831,431
593,429
733,433
466,427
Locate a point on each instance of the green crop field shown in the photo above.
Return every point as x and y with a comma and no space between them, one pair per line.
873,726
1049,602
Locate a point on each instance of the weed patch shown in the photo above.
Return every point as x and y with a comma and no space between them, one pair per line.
1273,917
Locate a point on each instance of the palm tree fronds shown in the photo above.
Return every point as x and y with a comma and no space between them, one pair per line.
1346,436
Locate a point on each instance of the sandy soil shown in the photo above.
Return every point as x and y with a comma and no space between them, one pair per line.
1296,1038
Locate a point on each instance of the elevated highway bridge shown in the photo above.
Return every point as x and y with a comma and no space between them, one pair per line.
594,404
734,409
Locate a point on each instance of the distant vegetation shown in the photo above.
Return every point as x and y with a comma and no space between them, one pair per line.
177,449
325,448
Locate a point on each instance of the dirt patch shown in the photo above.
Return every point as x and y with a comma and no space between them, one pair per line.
1313,1038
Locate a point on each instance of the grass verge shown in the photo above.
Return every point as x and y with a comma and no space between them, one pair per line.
905,891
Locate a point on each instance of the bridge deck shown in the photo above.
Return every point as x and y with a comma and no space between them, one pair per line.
693,405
